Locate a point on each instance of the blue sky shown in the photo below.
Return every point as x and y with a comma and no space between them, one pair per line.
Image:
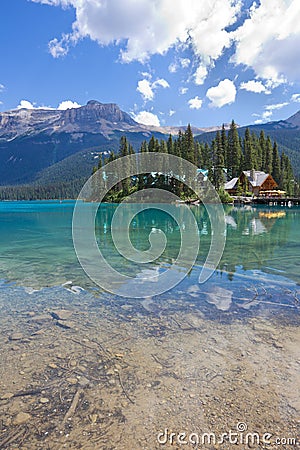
166,62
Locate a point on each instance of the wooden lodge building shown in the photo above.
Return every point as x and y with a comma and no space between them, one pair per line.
254,181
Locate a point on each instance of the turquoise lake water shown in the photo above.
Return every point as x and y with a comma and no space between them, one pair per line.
259,269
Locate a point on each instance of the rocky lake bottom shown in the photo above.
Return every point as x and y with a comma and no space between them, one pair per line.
81,370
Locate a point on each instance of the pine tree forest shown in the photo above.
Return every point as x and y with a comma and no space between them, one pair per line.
225,158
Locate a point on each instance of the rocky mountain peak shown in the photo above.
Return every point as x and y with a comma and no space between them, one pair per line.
294,119
93,103
94,113
94,117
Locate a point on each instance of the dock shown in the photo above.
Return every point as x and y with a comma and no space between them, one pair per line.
269,201
275,201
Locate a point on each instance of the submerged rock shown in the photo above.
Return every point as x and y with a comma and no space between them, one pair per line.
72,380
21,418
7,396
220,297
62,314
66,324
83,381
16,337
40,318
53,366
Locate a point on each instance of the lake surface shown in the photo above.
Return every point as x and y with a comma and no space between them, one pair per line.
85,368
260,263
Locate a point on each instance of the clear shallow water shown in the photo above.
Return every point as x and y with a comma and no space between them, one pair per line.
260,264
198,358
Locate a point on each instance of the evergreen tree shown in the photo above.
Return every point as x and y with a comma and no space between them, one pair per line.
262,149
131,150
276,163
163,148
233,151
239,190
144,147
219,177
198,154
153,145
211,161
100,163
206,157
224,144
287,178
257,151
111,157
249,153
99,182
269,156
142,178
189,145
179,145
124,151
213,152
170,148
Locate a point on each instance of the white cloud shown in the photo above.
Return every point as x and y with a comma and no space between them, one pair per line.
200,75
172,68
269,40
144,28
161,82
265,117
2,87
180,63
276,106
223,94
172,112
59,48
254,86
52,2
146,88
268,113
295,98
25,104
146,75
185,62
68,104
195,103
183,90
209,35
147,118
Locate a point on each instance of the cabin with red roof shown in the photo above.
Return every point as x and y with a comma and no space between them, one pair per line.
254,181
